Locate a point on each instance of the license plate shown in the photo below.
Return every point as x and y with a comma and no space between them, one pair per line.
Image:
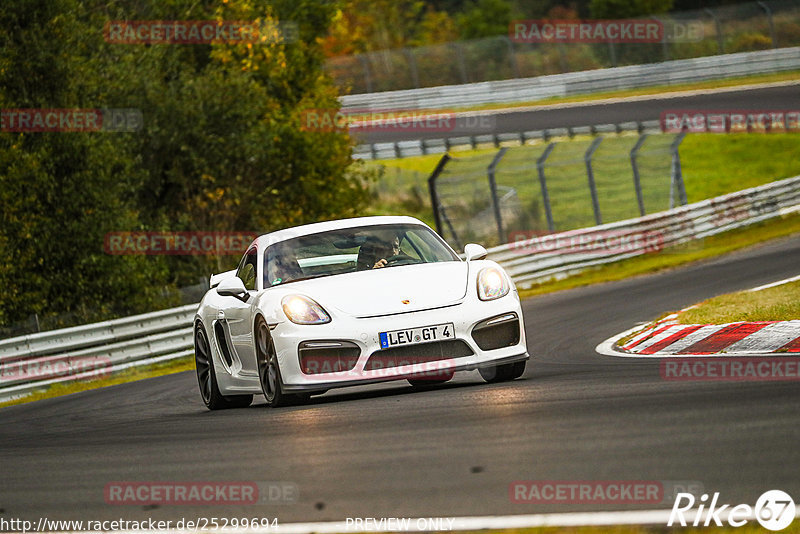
414,336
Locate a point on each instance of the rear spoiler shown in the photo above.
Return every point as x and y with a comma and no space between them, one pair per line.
217,278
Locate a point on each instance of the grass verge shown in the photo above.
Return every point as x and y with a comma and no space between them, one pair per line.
779,303
645,91
676,256
128,375
713,165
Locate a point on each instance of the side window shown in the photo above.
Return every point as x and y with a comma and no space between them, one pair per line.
409,248
247,269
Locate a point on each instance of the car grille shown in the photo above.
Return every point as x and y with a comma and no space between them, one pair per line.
327,356
497,332
413,354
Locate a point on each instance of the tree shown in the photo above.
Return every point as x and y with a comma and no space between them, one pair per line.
221,148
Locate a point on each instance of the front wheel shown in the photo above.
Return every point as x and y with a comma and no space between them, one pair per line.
503,373
269,372
207,378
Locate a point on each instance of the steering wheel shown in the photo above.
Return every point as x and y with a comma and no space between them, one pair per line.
397,258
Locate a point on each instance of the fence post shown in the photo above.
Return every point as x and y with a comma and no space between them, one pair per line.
432,190
367,76
664,42
490,171
770,21
718,26
676,173
462,69
512,56
543,183
587,159
412,66
612,52
637,183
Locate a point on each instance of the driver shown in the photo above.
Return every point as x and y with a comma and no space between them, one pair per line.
376,251
384,250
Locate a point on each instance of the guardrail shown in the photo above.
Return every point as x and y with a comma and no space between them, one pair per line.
574,83
421,147
37,360
167,334
560,255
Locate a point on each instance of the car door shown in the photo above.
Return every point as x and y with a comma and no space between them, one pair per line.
234,322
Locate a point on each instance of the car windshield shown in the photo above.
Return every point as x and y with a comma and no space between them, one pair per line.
352,249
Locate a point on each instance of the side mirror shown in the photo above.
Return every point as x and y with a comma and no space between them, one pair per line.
475,252
233,287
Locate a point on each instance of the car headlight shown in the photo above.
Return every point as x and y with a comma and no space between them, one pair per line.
304,310
492,284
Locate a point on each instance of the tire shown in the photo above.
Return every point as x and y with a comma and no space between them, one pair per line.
207,378
428,382
269,371
503,373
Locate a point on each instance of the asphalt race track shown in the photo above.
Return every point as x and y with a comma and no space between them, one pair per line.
387,451
785,97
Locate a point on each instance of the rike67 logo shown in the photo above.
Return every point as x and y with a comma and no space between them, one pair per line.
774,510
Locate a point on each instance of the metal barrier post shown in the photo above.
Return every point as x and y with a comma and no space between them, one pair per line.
490,170
543,183
637,183
587,159
432,190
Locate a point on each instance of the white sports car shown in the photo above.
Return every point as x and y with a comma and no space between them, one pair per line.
351,302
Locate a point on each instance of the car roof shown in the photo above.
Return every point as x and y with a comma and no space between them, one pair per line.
271,238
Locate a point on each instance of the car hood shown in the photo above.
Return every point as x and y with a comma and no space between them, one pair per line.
384,291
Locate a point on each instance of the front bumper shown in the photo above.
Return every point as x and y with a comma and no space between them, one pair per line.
364,333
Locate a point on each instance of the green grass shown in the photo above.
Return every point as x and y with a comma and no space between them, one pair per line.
676,256
780,303
623,93
714,164
128,375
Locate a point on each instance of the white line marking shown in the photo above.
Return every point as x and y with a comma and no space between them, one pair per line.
775,284
570,519
599,101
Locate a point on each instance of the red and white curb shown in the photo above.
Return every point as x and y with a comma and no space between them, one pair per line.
732,339
667,338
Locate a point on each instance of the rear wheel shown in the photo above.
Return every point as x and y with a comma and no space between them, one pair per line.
503,373
269,371
207,378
